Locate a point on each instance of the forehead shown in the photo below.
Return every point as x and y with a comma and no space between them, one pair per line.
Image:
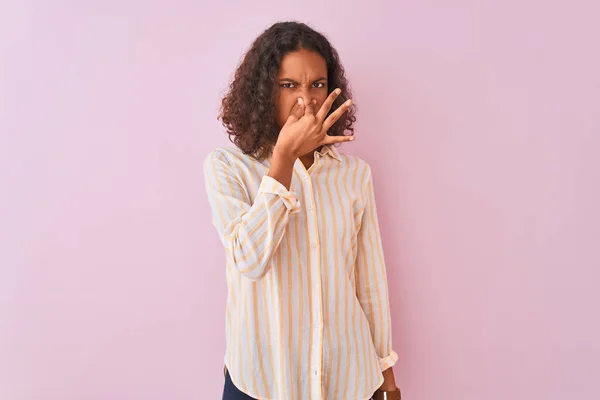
302,64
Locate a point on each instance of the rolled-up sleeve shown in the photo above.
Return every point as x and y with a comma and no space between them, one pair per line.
250,232
372,286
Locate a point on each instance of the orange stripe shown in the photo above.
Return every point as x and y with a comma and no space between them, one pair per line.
373,246
347,295
337,362
336,262
290,316
279,332
300,291
236,340
261,363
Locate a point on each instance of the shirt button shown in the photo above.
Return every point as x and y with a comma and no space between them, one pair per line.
314,245
316,372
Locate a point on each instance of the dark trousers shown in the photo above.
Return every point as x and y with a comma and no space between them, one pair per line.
231,392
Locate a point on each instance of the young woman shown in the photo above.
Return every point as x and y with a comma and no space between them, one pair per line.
307,314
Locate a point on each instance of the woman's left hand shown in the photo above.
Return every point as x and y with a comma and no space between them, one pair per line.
389,383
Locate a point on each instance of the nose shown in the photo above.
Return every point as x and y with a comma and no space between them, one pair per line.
305,94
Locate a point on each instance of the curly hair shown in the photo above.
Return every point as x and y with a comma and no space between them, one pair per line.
248,108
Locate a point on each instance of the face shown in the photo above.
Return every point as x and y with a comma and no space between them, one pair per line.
302,73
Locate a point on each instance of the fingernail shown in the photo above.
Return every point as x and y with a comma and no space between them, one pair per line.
300,100
338,91
349,103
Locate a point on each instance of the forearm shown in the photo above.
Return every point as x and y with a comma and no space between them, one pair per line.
282,167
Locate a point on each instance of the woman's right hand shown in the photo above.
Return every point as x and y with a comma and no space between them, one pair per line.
305,131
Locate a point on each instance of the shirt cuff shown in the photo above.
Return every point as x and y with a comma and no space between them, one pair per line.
389,361
273,186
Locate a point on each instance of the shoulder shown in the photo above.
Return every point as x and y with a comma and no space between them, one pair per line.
356,164
226,156
225,153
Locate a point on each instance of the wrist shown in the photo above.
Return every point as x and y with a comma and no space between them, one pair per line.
282,167
283,155
387,387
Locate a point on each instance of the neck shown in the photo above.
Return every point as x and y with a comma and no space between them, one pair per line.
309,158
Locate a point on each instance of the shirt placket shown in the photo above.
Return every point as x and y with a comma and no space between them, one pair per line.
316,322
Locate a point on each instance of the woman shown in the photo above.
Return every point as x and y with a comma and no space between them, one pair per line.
307,314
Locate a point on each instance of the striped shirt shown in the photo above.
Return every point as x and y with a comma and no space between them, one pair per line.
307,313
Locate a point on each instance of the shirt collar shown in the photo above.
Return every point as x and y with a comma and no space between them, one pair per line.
326,149
330,150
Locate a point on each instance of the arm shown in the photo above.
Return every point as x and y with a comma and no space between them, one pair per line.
372,287
249,232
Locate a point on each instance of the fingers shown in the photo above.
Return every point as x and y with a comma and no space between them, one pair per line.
296,112
328,103
334,116
337,139
310,108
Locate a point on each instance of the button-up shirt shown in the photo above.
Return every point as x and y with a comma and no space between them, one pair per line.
307,312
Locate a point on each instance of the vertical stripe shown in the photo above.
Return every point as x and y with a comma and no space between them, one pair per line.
238,356
325,331
263,299
331,286
276,312
300,269
249,337
349,296
290,328
375,263
367,269
361,345
335,365
264,388
309,199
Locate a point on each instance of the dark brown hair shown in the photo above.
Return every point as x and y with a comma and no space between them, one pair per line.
248,108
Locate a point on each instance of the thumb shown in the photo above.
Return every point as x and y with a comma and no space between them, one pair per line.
296,112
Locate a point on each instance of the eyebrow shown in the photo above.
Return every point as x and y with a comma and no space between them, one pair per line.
293,81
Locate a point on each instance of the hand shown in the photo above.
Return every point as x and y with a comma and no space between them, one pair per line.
389,382
305,131
388,390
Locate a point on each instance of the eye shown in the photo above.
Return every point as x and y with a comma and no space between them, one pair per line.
319,85
287,85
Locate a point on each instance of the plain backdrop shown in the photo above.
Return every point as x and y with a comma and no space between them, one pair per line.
480,119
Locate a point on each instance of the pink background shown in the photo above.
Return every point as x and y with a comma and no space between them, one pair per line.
481,120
